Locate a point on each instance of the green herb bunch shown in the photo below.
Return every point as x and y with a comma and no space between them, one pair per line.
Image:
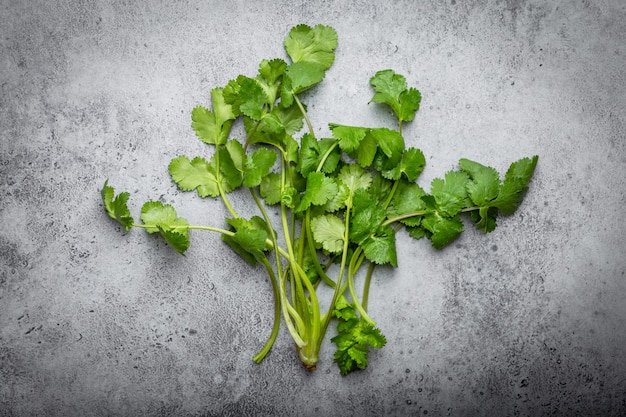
341,199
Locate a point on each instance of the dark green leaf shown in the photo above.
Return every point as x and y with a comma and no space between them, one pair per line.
515,185
451,193
258,165
443,230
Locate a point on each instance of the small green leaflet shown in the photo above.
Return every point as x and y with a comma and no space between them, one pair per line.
354,178
250,238
247,97
441,230
406,200
311,153
116,206
391,89
354,338
299,77
380,247
162,218
258,165
319,190
515,185
213,127
487,192
270,73
450,194
367,216
485,182
270,188
390,149
411,165
315,45
349,137
196,174
329,231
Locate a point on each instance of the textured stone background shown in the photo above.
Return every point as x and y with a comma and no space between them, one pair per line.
529,320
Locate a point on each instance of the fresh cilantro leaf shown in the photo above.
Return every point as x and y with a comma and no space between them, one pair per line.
116,206
299,77
162,218
329,230
315,45
319,190
515,185
417,232
195,174
391,89
250,238
485,218
442,230
311,153
450,194
155,214
290,197
390,148
485,182
366,151
354,178
409,104
247,97
258,165
344,310
339,199
270,188
380,188
231,164
411,165
270,73
354,338
407,199
349,137
290,118
177,240
213,127
367,216
380,247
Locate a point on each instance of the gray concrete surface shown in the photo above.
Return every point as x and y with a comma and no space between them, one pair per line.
527,321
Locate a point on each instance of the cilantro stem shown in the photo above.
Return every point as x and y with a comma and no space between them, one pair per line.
304,114
344,257
355,264
405,216
218,174
272,338
391,193
316,263
366,285
326,155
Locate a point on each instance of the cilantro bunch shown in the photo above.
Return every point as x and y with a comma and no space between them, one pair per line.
341,199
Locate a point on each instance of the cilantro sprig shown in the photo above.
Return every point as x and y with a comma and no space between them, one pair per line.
341,199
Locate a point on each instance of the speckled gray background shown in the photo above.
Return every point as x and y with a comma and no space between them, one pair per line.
529,320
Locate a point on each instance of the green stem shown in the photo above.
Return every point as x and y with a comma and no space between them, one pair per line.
270,341
218,174
326,155
391,193
318,267
366,285
304,114
344,256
